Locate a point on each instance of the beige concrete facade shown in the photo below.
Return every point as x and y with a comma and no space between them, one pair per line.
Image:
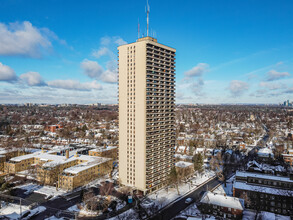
146,113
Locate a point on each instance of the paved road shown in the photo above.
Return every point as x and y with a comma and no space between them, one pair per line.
54,207
172,210
57,205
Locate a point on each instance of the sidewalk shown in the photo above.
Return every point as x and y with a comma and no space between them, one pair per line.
166,197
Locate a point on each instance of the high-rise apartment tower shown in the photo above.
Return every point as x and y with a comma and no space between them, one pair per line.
146,113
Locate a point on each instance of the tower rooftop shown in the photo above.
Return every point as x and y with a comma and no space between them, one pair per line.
147,38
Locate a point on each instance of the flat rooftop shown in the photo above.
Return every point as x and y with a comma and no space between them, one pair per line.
102,149
84,166
221,200
263,176
263,189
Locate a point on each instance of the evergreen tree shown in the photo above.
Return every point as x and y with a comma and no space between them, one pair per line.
198,162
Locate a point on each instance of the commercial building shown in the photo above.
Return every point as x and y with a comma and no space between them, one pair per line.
146,113
265,192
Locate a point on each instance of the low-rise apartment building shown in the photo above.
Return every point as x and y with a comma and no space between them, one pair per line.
6,154
105,151
265,192
67,172
222,206
81,174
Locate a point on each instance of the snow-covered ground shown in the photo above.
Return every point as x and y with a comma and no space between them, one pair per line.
128,215
34,211
120,204
26,174
165,196
73,209
98,181
228,189
50,191
269,216
29,188
13,211
191,210
248,214
85,212
54,218
192,213
45,190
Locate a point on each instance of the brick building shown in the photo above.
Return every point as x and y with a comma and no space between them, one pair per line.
106,151
265,192
53,128
288,158
66,172
222,206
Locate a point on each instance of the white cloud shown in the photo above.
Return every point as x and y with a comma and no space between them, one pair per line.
102,52
7,73
237,87
198,70
109,76
290,90
272,86
52,95
105,40
197,86
74,85
95,71
108,45
92,69
32,79
275,75
22,39
119,41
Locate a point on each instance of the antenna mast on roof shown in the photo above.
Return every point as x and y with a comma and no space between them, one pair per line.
138,29
147,11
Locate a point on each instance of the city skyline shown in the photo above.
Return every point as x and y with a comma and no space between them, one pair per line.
66,53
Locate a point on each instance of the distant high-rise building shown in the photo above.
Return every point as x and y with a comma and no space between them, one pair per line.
146,113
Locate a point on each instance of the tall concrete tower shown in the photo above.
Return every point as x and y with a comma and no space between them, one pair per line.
146,113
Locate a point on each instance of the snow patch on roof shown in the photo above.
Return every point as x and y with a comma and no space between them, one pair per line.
221,200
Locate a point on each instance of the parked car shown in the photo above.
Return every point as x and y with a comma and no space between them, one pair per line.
188,200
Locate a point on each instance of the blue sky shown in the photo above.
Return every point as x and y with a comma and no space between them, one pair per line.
228,51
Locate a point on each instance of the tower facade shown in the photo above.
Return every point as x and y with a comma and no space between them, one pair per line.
146,113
